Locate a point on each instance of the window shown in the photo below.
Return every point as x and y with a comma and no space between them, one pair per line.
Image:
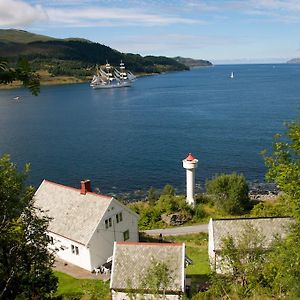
50,239
108,223
74,249
126,235
119,217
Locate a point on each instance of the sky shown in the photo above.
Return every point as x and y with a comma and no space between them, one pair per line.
228,31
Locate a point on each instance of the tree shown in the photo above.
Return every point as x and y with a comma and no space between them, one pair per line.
22,72
168,190
284,164
283,269
242,260
25,262
243,256
157,279
229,192
152,196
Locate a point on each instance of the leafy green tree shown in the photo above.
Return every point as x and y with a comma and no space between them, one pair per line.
152,196
157,278
283,270
21,72
242,260
25,262
229,192
284,164
168,190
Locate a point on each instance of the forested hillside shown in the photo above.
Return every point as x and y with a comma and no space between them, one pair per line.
75,57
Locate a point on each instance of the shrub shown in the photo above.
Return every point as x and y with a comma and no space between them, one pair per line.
229,192
199,213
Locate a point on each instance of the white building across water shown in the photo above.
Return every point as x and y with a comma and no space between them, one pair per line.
84,224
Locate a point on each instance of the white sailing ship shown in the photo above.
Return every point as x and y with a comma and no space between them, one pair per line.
110,77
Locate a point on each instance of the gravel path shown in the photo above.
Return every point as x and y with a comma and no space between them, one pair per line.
179,230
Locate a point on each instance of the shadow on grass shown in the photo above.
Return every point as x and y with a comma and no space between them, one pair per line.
198,283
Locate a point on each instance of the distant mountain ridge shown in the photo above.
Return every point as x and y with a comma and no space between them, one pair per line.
191,63
294,61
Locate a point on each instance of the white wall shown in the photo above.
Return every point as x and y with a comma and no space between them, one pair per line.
65,252
102,242
211,253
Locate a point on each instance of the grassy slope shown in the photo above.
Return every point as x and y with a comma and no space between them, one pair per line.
69,286
21,36
196,249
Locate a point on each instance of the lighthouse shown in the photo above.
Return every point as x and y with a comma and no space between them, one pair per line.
190,164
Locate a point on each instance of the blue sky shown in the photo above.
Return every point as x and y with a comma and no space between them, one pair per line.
232,31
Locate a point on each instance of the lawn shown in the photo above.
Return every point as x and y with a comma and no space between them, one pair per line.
72,288
196,250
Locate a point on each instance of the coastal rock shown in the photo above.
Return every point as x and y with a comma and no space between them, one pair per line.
175,219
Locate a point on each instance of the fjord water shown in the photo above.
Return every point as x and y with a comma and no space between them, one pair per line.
132,138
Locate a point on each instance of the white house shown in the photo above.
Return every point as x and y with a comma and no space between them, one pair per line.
84,224
219,229
131,262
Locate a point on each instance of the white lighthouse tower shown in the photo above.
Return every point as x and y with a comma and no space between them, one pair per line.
190,164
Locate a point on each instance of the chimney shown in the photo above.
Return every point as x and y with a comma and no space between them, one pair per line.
85,186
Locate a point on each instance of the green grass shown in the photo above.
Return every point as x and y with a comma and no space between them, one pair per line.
196,250
71,288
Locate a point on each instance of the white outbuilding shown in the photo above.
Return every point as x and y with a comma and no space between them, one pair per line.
268,229
84,224
134,262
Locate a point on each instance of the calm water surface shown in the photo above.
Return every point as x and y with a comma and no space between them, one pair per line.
133,138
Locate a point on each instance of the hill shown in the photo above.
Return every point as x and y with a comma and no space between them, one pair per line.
21,36
294,61
75,57
191,63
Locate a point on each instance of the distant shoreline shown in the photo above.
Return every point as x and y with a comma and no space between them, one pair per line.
60,80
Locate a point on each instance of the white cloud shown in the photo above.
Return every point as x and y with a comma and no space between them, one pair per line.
112,17
18,13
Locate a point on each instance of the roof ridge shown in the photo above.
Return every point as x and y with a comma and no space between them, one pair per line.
149,243
252,218
77,189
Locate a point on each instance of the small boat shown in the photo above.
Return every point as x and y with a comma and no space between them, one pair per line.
232,75
17,98
110,77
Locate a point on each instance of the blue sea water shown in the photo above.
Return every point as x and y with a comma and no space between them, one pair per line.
132,138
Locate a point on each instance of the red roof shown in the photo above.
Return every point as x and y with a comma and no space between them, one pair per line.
72,188
190,157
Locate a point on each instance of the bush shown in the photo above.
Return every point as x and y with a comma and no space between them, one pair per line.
269,209
229,192
202,198
199,213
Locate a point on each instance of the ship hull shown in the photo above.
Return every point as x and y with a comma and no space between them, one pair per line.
111,86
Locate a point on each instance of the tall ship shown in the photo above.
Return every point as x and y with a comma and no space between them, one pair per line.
110,77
